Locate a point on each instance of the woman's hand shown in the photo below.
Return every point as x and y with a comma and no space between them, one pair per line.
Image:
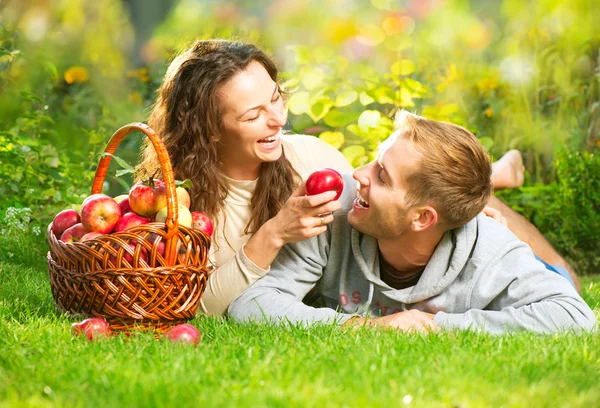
302,216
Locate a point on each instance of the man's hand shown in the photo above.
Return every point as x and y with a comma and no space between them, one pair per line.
409,320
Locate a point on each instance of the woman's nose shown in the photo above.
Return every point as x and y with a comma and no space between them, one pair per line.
277,117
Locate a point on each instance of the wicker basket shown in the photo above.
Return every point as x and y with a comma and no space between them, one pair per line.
129,278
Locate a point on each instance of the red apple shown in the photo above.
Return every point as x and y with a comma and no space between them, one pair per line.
92,328
185,333
147,197
202,222
325,180
73,233
160,246
130,220
64,220
100,213
128,256
123,201
184,217
90,235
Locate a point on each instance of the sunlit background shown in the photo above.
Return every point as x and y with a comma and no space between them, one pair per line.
519,74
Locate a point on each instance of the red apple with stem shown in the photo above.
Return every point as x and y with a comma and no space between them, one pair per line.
64,220
325,180
93,328
130,220
100,213
202,222
73,233
147,197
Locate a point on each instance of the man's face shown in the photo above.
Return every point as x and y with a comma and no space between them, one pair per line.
380,209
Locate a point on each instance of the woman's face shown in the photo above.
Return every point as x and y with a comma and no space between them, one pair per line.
253,115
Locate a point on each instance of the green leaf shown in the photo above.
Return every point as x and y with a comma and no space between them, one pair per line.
383,95
120,161
336,139
368,119
302,53
187,183
346,98
319,109
336,118
365,99
487,142
120,173
311,77
354,154
403,67
405,99
95,138
47,120
299,103
449,109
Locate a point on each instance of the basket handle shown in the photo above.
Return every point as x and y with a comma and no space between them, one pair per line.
169,179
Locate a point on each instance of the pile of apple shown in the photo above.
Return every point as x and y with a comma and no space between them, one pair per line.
146,202
97,327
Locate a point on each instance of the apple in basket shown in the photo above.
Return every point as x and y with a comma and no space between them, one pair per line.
184,217
325,180
184,333
183,197
64,220
92,328
100,213
90,235
123,201
147,197
202,222
127,255
130,220
73,233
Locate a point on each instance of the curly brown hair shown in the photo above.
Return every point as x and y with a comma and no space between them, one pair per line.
188,117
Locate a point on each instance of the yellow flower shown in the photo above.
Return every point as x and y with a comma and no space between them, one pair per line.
453,75
135,98
141,74
76,74
489,112
487,84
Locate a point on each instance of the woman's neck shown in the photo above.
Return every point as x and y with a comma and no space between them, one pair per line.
241,172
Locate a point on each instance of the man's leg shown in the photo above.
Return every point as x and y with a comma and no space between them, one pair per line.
529,234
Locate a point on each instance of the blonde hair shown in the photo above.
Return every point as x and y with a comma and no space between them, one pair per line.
455,170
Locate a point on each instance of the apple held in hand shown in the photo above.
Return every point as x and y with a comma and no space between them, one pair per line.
64,220
147,197
202,222
184,217
130,220
185,333
73,233
325,180
93,328
100,213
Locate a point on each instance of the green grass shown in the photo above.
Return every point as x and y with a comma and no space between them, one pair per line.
42,364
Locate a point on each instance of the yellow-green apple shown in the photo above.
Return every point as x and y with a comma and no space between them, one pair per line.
130,220
183,197
73,233
100,213
202,222
123,201
90,235
64,220
184,216
147,197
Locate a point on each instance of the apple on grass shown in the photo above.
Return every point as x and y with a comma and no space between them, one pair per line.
64,220
130,220
100,213
202,222
92,328
325,180
184,333
73,233
184,216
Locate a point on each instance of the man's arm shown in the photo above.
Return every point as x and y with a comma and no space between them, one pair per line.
277,297
531,298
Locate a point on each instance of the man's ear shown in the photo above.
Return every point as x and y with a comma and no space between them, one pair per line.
423,218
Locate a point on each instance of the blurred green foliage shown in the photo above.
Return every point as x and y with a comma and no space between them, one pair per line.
522,75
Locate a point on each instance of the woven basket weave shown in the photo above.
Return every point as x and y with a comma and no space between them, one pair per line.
149,277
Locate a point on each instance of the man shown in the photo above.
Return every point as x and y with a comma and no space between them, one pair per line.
410,247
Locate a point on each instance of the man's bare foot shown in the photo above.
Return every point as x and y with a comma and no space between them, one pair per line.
508,172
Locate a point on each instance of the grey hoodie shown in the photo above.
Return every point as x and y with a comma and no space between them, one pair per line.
481,276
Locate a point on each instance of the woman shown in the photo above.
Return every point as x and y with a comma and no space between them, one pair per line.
220,114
